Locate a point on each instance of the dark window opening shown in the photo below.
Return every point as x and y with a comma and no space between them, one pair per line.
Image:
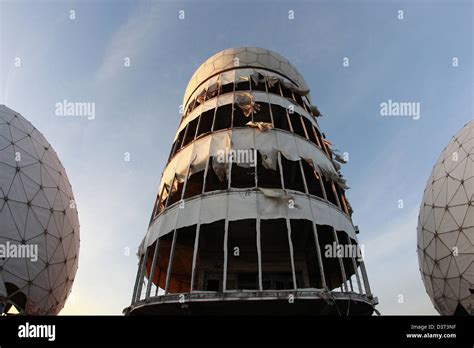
242,259
190,132
319,138
181,267
194,185
309,130
263,115
213,181
278,281
312,180
205,124
292,177
332,268
349,252
331,197
162,199
298,99
305,255
260,86
161,269
274,88
266,176
240,120
180,139
192,105
297,125
16,296
173,151
213,284
277,273
227,88
280,119
242,85
210,257
286,92
213,90
176,192
242,177
223,117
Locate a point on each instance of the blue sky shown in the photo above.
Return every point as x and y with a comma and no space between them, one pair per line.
390,158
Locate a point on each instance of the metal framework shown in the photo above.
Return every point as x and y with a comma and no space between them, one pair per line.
257,235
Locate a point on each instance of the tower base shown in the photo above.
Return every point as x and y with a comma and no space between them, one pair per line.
271,303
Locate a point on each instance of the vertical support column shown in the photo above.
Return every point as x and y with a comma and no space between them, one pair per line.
288,226
137,279
344,204
350,284
196,246
158,282
170,191
304,128
304,177
170,262
205,176
366,279
341,264
259,254
152,269
292,258
320,259
333,186
354,265
226,231
141,276
226,237
320,176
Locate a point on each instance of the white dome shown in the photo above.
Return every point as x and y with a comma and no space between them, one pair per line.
446,227
36,208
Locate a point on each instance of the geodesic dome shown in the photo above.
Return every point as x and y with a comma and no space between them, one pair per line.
446,227
37,210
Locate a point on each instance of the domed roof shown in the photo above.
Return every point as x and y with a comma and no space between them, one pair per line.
247,57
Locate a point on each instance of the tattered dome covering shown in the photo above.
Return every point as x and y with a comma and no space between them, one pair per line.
247,57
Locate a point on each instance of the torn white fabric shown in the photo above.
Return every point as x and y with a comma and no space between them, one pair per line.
339,158
221,168
262,126
281,194
246,101
269,159
290,145
314,111
293,88
257,78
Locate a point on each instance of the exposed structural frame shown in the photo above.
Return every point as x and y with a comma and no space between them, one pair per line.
250,236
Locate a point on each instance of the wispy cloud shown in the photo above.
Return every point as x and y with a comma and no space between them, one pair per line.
392,265
130,40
